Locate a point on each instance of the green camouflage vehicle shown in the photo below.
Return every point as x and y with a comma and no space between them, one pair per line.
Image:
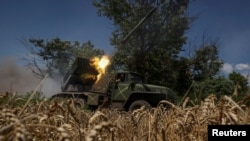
121,90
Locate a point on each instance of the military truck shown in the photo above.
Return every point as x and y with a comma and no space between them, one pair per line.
121,90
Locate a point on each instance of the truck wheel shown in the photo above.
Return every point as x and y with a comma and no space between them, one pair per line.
79,103
138,104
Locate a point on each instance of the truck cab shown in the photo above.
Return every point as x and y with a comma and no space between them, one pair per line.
128,92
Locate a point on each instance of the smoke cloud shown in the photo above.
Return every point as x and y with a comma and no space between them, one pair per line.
15,78
50,87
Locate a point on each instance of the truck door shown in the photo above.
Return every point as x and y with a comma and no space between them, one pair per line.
120,88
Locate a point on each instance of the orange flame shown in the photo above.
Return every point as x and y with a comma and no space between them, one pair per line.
100,65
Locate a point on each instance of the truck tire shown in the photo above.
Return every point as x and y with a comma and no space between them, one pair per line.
79,103
138,104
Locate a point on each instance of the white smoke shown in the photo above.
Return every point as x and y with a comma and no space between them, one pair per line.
50,87
15,78
18,79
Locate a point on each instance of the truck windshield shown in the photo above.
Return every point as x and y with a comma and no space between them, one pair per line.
136,77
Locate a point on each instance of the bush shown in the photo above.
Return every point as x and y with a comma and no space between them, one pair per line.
218,86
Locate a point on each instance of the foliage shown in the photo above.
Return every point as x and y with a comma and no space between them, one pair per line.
206,62
241,84
219,86
86,50
183,77
55,56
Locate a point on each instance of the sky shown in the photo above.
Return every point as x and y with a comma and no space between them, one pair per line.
77,20
229,21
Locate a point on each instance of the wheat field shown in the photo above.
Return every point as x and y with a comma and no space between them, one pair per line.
61,121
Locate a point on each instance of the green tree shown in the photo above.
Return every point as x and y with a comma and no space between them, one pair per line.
240,84
153,48
86,50
55,56
205,64
218,85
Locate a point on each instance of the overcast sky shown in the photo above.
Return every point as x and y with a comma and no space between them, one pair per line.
76,20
